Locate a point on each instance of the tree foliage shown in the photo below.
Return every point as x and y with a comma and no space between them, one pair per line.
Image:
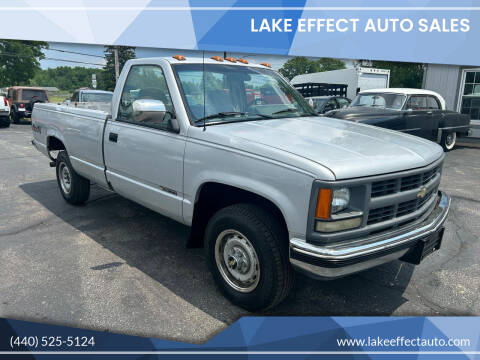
125,53
66,78
403,74
302,65
19,61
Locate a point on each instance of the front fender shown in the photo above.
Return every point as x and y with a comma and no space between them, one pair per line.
285,187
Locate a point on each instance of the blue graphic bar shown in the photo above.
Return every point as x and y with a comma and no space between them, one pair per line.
429,31
264,338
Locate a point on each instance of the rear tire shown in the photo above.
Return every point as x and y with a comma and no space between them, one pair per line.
247,253
448,141
74,188
4,122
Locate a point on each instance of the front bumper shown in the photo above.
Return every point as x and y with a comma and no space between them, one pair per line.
333,261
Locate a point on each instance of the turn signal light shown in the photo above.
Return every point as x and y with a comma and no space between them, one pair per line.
266,64
231,59
217,58
22,106
243,61
5,101
324,202
179,57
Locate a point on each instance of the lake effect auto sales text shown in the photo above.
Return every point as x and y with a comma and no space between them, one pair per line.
441,25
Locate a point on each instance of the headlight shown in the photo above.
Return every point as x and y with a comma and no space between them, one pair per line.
340,200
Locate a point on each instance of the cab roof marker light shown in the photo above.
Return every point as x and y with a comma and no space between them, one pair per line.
179,57
266,64
231,59
217,58
243,61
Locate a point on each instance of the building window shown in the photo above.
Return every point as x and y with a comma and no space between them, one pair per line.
471,95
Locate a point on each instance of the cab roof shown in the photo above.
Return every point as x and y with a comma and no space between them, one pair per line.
200,60
408,91
26,87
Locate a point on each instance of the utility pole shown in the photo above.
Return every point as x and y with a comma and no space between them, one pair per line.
117,65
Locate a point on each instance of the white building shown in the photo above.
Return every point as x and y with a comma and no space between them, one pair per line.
460,86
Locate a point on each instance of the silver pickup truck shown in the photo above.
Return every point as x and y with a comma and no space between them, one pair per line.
266,185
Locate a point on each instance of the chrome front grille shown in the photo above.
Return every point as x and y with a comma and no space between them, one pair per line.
401,197
391,186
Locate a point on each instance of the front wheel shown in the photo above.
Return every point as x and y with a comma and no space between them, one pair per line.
74,188
248,256
4,122
448,141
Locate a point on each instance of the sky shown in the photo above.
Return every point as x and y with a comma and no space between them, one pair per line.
92,55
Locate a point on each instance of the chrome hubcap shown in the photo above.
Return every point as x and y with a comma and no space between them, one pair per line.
65,178
450,140
237,261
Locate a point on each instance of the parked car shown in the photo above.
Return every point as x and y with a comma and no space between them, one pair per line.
323,104
4,112
266,188
22,99
89,95
413,111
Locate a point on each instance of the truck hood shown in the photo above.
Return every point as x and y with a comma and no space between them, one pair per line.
347,149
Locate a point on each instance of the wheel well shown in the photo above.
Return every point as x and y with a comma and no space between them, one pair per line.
54,143
215,196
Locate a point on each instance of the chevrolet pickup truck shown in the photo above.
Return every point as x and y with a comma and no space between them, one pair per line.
266,185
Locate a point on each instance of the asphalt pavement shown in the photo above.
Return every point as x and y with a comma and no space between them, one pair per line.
113,265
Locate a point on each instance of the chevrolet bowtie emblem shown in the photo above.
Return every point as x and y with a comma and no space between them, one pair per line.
421,194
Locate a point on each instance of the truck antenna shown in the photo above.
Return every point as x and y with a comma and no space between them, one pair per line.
204,92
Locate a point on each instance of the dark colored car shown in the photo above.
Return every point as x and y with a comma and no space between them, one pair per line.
22,99
413,111
323,104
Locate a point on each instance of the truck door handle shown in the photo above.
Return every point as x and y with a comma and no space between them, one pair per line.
113,137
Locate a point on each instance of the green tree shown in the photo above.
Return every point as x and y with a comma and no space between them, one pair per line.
402,74
107,81
328,64
297,66
66,78
302,65
19,61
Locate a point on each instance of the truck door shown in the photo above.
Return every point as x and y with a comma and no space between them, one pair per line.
420,121
143,155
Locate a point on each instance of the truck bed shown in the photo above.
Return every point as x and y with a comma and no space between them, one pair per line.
80,129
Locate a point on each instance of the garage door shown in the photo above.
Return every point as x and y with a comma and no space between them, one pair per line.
372,81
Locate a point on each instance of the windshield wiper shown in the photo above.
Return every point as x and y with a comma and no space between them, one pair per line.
221,114
287,110
224,114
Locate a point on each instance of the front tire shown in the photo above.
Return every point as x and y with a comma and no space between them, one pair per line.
449,140
247,253
74,188
4,122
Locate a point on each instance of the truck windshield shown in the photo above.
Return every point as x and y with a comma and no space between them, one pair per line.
382,100
221,93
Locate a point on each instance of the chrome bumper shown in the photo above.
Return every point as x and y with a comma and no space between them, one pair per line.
337,260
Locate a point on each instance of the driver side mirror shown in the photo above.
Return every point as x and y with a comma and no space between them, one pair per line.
154,111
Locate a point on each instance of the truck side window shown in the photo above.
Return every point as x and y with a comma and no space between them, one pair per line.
432,103
144,82
417,103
